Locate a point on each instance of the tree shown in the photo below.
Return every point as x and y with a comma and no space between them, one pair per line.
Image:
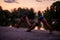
31,14
47,16
14,17
55,11
53,15
4,18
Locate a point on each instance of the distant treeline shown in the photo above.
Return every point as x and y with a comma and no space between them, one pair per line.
11,18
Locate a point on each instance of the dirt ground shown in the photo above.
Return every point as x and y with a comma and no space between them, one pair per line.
11,33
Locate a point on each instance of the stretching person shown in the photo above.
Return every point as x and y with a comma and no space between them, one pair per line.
40,19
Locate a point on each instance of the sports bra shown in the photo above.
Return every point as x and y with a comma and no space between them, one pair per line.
40,17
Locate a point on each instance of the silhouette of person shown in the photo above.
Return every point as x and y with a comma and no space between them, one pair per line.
40,19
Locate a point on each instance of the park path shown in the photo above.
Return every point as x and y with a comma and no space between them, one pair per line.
11,33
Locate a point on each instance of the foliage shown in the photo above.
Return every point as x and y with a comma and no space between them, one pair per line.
4,18
53,15
12,18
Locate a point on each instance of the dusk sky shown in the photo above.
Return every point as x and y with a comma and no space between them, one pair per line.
27,4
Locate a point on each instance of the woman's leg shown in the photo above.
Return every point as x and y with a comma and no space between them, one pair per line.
27,21
48,26
19,23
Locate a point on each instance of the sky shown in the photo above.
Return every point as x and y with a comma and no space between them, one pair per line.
27,4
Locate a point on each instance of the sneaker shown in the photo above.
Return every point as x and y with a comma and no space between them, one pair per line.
28,31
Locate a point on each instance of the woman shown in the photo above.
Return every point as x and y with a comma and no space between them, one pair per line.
40,19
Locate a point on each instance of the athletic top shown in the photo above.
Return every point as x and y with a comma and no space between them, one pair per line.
40,17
